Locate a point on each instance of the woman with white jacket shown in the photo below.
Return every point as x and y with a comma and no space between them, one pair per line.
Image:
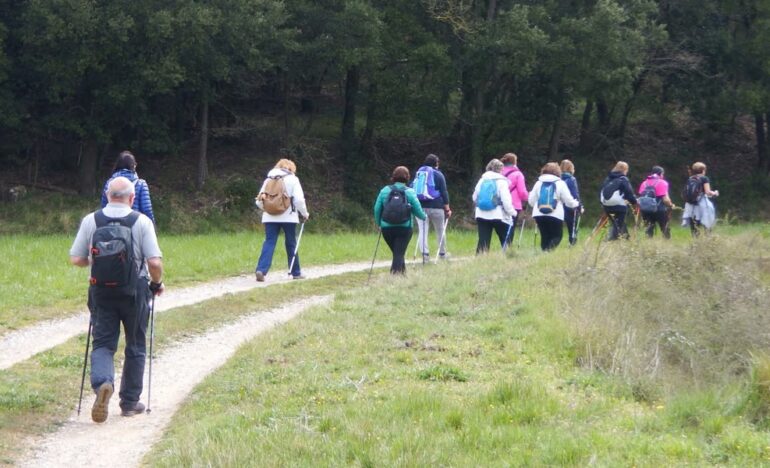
295,213
547,199
494,208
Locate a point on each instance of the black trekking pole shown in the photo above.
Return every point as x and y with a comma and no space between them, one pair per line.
85,361
152,339
377,246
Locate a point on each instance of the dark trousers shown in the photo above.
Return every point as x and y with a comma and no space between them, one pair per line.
106,316
397,239
511,231
551,231
617,222
570,222
271,239
660,218
485,227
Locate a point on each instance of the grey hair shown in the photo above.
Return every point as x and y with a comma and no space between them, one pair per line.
495,165
120,188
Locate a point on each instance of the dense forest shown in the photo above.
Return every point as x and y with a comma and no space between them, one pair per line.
82,79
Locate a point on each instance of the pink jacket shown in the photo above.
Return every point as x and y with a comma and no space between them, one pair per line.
516,186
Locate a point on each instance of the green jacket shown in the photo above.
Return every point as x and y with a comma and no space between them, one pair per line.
411,197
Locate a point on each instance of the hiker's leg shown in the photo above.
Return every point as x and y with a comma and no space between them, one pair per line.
106,330
614,228
694,227
555,229
649,224
485,235
664,217
437,218
268,247
134,315
290,241
569,223
544,234
400,242
621,224
501,229
422,235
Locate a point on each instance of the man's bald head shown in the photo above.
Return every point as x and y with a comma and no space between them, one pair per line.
120,190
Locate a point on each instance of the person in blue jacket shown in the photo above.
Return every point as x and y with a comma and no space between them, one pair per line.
571,215
125,166
616,194
397,236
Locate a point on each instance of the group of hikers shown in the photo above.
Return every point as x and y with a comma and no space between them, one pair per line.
120,245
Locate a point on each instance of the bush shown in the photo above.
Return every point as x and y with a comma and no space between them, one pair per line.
655,311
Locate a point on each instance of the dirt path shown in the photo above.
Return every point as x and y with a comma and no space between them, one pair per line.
22,344
122,442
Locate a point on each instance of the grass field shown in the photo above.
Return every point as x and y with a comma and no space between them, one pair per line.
473,363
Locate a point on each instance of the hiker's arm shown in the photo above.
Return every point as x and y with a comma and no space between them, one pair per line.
414,202
566,196
707,190
667,201
155,267
521,187
378,207
79,261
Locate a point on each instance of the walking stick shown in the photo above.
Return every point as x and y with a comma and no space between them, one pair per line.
85,361
417,240
521,232
599,225
507,235
296,247
575,221
442,240
152,340
377,246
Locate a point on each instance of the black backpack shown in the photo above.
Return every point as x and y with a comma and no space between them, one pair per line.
113,269
693,190
396,209
648,202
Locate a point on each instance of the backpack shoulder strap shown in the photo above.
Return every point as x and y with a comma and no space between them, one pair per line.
128,221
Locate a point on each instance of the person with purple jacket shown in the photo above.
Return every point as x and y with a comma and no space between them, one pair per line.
571,215
517,186
125,166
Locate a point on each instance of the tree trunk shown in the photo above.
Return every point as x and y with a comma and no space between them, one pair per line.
637,87
585,127
367,139
348,134
89,158
286,107
603,112
759,127
203,166
553,145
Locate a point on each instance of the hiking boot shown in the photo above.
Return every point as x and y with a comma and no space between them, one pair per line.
131,410
299,276
443,256
425,258
260,276
101,404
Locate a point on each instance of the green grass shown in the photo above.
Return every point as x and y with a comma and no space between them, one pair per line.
37,282
467,364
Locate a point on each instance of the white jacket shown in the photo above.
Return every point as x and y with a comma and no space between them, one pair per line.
563,197
503,212
294,190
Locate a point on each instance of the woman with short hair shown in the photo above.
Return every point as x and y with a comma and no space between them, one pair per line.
125,166
548,198
494,209
393,210
287,220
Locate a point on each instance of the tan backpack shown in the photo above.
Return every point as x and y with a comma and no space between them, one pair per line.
275,200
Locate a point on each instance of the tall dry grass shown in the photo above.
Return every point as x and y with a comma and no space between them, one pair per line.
666,316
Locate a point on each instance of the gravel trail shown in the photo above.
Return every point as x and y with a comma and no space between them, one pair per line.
122,442
22,344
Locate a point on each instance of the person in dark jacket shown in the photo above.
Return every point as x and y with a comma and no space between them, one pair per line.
125,166
571,215
397,236
435,202
616,194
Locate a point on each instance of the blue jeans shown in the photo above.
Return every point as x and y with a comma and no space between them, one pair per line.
268,247
107,314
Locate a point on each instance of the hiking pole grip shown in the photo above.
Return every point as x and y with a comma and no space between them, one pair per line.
85,361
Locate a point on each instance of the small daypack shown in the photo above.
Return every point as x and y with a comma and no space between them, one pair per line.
275,200
610,194
488,198
113,269
546,200
425,184
693,190
648,202
396,209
